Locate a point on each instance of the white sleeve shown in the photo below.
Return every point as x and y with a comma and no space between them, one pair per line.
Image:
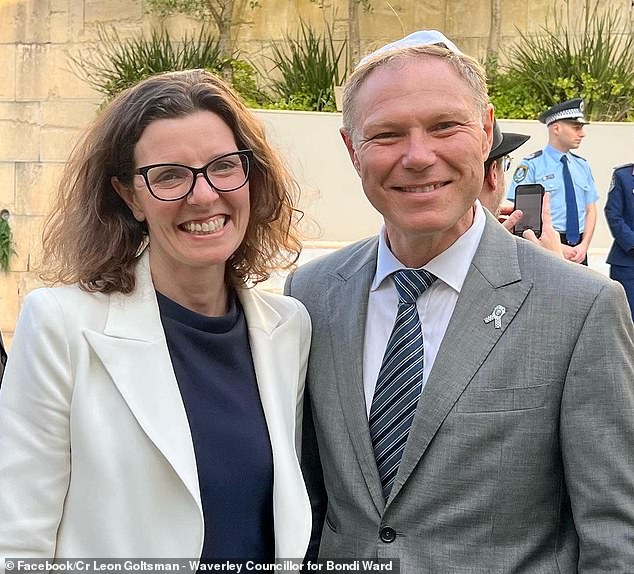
35,400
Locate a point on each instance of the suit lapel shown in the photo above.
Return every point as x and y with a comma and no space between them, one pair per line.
348,301
493,279
134,351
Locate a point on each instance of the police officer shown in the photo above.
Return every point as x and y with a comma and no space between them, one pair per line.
619,211
566,176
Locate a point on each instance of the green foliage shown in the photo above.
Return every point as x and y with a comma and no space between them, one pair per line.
6,244
245,83
309,68
512,99
116,64
593,62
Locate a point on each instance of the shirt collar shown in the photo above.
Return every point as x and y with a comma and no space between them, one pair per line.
450,266
553,153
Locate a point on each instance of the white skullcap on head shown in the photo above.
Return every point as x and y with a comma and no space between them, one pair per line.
420,38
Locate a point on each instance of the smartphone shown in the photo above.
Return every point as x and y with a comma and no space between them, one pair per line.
529,199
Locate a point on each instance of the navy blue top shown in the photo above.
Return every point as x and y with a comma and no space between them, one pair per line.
214,369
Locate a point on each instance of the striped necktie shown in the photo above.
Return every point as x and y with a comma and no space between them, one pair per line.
400,379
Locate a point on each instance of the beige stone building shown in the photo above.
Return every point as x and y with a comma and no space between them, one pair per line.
44,106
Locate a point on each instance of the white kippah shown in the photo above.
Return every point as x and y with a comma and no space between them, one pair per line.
420,38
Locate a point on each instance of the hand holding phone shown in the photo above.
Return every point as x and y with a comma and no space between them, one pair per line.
529,199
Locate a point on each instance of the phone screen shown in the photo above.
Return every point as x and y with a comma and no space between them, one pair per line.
529,199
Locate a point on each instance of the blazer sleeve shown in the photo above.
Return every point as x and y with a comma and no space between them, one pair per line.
35,403
614,214
597,435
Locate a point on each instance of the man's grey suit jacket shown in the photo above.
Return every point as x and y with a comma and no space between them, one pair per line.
521,454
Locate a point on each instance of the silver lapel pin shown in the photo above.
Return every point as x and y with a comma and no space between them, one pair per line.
496,316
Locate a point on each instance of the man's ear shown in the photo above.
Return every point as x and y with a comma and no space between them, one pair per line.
125,192
491,175
351,152
489,194
487,124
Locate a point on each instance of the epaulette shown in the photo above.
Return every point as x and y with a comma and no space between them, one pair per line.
534,155
631,164
578,156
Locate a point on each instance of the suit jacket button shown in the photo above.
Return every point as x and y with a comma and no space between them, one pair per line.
388,534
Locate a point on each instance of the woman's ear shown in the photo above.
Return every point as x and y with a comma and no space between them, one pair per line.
125,192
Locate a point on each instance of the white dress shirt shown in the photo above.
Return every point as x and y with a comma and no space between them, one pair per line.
435,306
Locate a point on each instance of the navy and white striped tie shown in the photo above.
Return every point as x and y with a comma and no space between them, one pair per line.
400,379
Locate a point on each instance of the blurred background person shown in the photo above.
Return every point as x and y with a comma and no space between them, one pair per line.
150,403
566,176
494,188
619,212
496,165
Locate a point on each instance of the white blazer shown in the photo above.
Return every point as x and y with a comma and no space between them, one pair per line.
96,455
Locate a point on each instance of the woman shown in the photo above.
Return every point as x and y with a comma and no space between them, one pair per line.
151,404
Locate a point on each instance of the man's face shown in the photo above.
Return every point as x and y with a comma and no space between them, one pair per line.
419,148
569,135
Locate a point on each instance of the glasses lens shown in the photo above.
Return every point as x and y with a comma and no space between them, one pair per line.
229,172
507,162
169,181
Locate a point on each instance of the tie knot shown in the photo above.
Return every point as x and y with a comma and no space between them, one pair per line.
411,283
564,159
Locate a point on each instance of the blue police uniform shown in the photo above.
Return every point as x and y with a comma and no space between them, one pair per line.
545,167
619,212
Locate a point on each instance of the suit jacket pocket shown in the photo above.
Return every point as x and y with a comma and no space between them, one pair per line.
330,523
500,400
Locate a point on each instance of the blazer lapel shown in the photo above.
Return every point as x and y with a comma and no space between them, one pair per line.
276,359
493,280
348,299
134,351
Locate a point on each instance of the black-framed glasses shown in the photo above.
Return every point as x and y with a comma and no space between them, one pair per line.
506,162
173,181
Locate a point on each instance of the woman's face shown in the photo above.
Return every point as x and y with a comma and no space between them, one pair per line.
197,234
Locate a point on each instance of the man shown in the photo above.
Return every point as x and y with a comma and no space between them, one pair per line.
494,187
619,212
517,455
495,166
566,176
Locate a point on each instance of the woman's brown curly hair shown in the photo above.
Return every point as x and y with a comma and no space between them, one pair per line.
91,237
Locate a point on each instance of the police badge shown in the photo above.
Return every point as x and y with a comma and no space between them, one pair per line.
520,173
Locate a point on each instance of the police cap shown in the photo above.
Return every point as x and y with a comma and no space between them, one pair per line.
570,111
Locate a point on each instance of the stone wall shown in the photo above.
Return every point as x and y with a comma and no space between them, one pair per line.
44,106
